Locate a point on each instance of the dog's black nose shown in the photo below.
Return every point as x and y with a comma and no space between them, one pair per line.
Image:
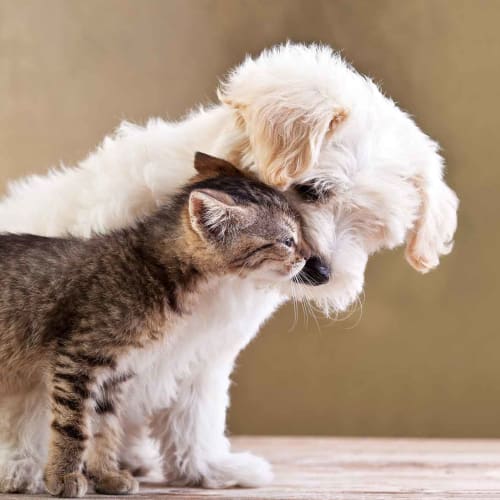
315,272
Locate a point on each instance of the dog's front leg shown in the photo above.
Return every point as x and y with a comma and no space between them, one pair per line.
192,436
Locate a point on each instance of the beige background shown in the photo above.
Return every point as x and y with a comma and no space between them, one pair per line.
423,358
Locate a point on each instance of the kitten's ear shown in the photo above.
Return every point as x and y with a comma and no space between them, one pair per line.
214,214
212,166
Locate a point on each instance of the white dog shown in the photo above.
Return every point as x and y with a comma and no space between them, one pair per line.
362,174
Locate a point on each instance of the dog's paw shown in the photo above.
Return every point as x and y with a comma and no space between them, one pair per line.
72,485
142,459
234,469
238,469
21,476
116,483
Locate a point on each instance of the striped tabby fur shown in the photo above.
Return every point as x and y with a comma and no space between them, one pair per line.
72,311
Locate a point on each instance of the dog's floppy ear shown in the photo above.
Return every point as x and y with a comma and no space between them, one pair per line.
432,234
286,123
212,166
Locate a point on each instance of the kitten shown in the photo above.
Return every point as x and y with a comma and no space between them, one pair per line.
72,311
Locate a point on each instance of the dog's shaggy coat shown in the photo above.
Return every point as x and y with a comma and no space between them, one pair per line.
302,120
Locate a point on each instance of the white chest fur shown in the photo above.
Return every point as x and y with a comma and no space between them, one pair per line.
224,321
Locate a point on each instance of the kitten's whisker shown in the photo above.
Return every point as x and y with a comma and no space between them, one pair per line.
306,304
294,303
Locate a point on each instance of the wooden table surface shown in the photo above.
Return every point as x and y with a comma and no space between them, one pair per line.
360,469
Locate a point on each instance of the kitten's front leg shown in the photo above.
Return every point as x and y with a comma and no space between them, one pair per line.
71,401
192,437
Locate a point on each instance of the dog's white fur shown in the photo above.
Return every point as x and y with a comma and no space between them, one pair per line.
293,114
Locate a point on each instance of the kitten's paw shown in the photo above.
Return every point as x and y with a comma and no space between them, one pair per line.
73,485
116,483
21,476
231,470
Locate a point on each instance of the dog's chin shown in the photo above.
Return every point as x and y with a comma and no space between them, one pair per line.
330,298
340,293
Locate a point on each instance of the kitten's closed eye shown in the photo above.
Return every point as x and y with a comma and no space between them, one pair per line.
287,242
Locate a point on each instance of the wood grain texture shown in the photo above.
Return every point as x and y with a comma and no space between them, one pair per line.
359,469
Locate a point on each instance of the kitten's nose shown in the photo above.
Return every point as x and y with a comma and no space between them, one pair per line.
315,272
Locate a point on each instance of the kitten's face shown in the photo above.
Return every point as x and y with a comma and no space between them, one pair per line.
257,240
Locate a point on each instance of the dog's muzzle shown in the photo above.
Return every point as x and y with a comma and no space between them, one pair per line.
315,272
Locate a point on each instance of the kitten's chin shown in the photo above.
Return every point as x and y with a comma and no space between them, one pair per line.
274,278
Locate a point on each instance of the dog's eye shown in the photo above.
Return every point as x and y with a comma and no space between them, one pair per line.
288,242
310,192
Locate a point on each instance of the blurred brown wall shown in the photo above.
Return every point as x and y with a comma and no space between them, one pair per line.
423,357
